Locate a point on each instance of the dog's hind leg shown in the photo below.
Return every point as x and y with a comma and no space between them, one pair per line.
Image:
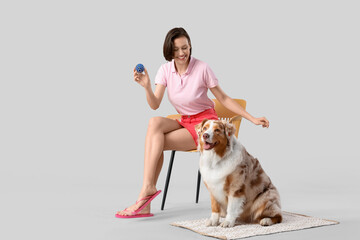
271,215
266,209
268,221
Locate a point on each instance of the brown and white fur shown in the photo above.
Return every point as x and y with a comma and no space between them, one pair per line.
239,188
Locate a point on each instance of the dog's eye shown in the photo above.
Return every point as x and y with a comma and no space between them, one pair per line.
205,128
217,130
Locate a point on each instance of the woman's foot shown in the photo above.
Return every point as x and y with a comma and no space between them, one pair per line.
139,203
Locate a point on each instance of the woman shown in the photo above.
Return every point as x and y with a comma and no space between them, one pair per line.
188,80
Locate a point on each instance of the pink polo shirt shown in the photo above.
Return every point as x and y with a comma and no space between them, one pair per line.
188,92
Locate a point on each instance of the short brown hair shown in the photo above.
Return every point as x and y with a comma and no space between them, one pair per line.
168,48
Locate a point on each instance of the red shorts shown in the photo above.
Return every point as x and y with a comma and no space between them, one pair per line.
189,122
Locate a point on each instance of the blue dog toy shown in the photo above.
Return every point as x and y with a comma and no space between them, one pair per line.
139,68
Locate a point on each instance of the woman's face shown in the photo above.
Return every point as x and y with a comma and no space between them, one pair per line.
181,51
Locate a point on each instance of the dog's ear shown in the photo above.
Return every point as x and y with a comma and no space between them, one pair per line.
229,129
199,126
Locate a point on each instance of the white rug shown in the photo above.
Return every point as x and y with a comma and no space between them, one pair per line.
291,222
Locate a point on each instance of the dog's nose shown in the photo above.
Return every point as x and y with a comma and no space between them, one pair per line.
206,136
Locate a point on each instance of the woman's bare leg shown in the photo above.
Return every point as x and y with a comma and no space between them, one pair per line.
163,134
159,167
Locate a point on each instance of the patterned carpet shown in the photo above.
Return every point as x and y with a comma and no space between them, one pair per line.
291,222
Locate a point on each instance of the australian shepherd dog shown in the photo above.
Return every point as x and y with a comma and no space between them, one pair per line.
240,189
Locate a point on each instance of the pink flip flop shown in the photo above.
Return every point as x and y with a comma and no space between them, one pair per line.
136,214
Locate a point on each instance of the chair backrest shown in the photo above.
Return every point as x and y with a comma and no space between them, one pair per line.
223,113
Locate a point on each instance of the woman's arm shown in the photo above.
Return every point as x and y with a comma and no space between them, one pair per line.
233,106
153,98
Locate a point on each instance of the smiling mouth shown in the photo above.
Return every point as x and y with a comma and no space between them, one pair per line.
209,146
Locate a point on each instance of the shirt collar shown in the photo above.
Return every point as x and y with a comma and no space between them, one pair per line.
189,68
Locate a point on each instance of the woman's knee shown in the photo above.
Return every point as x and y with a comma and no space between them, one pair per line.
155,123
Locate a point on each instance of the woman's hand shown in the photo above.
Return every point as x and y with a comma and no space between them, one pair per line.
261,121
142,79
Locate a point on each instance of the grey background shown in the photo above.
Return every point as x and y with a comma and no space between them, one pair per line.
73,122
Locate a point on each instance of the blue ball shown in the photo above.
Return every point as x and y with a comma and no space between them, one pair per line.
139,68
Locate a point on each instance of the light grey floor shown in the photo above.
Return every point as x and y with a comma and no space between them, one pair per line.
82,209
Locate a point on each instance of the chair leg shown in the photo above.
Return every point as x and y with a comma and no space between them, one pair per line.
168,178
198,186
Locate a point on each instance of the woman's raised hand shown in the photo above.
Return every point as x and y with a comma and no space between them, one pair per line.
142,79
261,121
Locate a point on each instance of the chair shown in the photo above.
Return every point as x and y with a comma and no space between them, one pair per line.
223,114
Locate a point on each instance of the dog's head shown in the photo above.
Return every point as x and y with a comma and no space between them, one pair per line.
214,135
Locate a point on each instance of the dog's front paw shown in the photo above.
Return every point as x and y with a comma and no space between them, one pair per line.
227,224
212,222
